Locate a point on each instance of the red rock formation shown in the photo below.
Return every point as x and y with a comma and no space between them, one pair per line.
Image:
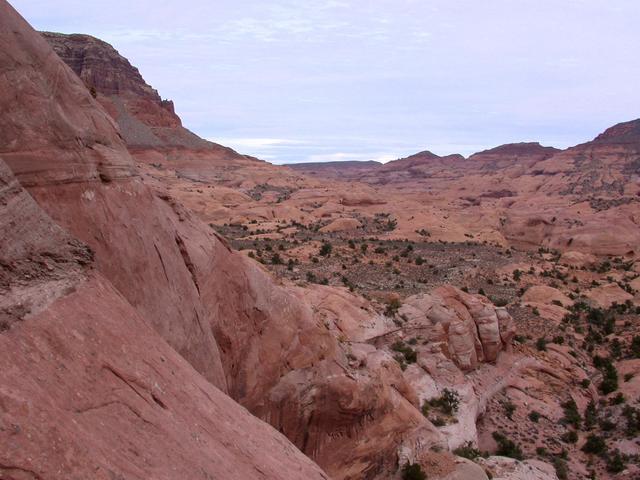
74,163
622,133
89,388
145,119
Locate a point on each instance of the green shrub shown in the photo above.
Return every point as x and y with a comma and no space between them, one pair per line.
610,381
632,417
325,249
616,463
413,471
507,447
500,302
392,307
467,451
408,353
541,344
569,437
509,409
590,416
448,402
438,421
634,348
571,414
594,444
561,468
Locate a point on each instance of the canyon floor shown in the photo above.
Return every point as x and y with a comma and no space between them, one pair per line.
170,308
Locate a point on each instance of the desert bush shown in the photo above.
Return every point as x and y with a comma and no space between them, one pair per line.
467,451
408,353
325,249
507,447
561,468
570,436
616,463
595,445
448,402
392,307
413,471
571,414
590,415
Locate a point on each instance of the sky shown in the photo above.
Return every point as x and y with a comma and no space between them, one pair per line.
310,80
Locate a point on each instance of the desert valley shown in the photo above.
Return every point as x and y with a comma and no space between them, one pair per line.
173,309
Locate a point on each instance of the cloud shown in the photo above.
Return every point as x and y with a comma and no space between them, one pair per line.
345,157
257,143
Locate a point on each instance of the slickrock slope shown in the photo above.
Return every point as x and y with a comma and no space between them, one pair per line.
89,388
589,199
73,162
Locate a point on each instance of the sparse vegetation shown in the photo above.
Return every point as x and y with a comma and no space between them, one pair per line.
507,447
413,471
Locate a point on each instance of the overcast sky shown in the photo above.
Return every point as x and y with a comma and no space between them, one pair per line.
311,80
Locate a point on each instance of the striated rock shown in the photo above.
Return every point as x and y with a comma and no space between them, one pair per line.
341,225
606,295
119,402
469,327
39,261
503,468
145,119
542,294
578,259
626,132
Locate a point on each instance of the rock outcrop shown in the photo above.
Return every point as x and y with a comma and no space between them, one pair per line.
145,119
89,386
469,328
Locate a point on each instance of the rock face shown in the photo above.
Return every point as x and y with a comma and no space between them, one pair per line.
100,66
145,119
118,402
622,133
74,164
503,468
468,327
90,388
